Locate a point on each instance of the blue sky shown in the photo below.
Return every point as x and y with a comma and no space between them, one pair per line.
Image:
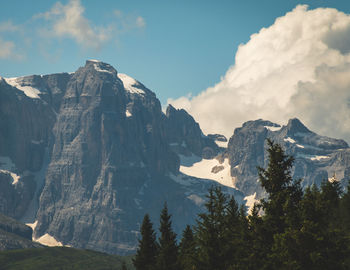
173,47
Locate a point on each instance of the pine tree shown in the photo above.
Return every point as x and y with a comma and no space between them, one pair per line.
344,217
233,235
187,250
281,207
145,258
210,232
167,258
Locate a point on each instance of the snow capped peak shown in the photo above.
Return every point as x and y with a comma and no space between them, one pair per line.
93,60
296,126
130,84
100,66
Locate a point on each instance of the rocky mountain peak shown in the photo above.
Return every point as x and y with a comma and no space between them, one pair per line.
296,126
99,67
184,134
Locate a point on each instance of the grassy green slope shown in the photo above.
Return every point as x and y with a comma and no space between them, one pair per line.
60,258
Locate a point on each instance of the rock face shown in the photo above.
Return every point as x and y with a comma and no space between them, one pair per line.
98,154
185,136
317,158
15,235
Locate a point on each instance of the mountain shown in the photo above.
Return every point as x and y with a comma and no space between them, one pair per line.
317,158
85,155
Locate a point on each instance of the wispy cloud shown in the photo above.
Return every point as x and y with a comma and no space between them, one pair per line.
8,48
140,22
297,67
127,22
69,21
9,26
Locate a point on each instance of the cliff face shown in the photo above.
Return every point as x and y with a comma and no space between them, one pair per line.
317,158
185,136
108,145
87,154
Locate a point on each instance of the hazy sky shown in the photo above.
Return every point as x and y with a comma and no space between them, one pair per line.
187,51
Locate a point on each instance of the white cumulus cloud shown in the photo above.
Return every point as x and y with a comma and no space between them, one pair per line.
297,67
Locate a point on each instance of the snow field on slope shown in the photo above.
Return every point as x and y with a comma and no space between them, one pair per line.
202,168
7,166
130,83
27,90
46,239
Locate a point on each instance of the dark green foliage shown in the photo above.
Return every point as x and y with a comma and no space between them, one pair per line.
281,207
168,250
60,258
187,250
124,266
220,232
210,232
145,258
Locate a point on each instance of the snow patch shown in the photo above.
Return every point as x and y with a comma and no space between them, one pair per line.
222,144
98,68
14,176
300,146
32,225
8,167
203,169
94,60
130,83
312,157
271,128
48,240
250,200
319,157
289,139
27,90
128,113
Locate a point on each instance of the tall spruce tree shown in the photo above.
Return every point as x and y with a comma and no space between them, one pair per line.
167,258
145,258
281,206
210,232
187,250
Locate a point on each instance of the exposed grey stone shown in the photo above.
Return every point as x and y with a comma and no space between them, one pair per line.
317,158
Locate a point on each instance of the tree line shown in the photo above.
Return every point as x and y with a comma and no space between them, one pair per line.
291,228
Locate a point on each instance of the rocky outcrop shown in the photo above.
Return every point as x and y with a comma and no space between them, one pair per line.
15,235
317,158
185,136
